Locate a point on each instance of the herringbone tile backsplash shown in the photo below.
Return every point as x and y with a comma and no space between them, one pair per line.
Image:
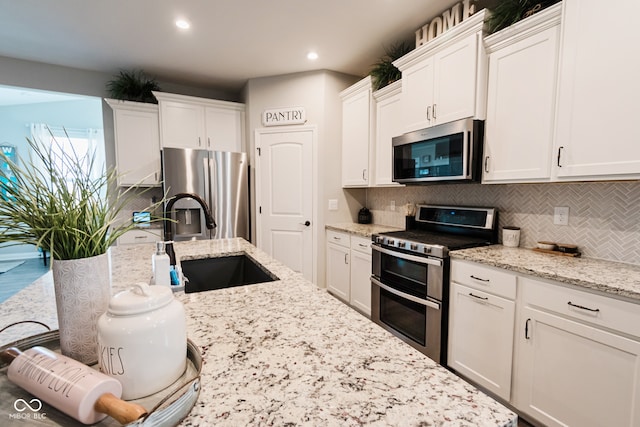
604,217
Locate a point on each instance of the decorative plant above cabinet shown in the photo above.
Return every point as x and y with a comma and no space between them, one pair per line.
384,72
133,85
508,12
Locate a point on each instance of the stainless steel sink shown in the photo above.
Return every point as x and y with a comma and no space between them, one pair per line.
223,272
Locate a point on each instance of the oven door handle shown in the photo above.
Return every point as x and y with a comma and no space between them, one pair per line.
402,255
427,303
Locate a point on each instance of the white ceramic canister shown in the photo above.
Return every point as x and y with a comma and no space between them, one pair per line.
142,340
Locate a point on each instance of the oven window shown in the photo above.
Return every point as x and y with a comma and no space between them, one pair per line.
406,276
438,157
407,317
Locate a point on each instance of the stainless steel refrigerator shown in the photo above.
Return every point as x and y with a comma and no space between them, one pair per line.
221,179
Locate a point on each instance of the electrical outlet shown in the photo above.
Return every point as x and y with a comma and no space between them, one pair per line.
392,205
333,204
561,215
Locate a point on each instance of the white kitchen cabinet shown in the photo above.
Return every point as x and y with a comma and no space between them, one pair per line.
338,268
148,235
199,123
357,113
598,92
444,79
360,274
481,322
388,104
348,269
521,96
137,142
578,357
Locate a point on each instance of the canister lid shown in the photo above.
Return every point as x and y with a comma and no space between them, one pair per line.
140,298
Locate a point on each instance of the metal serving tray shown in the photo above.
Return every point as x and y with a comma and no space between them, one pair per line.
166,408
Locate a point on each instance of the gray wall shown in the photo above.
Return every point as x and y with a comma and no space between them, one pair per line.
604,217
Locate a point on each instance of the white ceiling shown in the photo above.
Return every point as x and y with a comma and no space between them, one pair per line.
230,41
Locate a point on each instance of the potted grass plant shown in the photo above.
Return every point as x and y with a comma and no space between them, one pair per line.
53,201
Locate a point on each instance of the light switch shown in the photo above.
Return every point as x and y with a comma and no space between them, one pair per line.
333,204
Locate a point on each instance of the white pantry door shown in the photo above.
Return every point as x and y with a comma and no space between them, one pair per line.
284,199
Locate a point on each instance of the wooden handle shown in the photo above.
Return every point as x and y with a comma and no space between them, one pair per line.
118,409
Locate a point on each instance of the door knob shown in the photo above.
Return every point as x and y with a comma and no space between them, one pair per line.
306,223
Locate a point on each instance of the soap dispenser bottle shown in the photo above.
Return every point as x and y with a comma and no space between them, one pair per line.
160,262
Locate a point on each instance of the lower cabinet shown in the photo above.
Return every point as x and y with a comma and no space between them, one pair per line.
578,362
348,269
567,357
481,321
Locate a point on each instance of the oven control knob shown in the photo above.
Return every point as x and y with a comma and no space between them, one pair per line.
427,250
379,239
414,246
391,242
402,244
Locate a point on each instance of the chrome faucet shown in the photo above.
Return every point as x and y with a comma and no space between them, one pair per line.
168,233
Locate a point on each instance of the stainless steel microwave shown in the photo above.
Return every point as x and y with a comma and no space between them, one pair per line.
446,152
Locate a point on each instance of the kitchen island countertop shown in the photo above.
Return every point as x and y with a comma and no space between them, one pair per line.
612,278
286,352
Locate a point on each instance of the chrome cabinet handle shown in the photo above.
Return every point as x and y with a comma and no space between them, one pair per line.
364,173
526,329
346,260
480,279
199,142
581,307
428,112
434,111
486,164
559,153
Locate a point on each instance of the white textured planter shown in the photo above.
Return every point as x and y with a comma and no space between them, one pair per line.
83,290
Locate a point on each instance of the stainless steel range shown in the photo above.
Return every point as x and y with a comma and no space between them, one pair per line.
410,272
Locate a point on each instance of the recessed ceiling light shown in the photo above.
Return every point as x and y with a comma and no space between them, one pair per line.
312,56
183,24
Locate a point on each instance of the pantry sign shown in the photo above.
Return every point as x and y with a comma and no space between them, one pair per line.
284,116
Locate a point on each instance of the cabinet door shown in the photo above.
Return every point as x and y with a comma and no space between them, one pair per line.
224,129
520,109
182,124
572,374
599,90
360,295
356,111
454,88
417,95
388,125
137,147
338,271
481,338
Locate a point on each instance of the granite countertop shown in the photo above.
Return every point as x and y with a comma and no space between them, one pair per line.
364,230
612,278
286,352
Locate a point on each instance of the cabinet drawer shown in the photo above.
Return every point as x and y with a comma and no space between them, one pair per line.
590,308
338,238
485,278
361,244
140,236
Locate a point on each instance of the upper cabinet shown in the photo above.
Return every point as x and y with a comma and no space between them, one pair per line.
137,143
521,97
598,91
388,123
199,123
444,79
357,113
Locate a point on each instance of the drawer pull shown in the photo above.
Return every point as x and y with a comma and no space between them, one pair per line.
363,246
478,297
526,329
478,278
581,307
140,237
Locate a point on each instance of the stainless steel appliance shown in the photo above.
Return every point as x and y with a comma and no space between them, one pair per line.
410,272
447,152
220,179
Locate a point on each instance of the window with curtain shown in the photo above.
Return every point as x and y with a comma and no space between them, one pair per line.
82,142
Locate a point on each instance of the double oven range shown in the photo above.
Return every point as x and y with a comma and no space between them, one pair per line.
410,272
